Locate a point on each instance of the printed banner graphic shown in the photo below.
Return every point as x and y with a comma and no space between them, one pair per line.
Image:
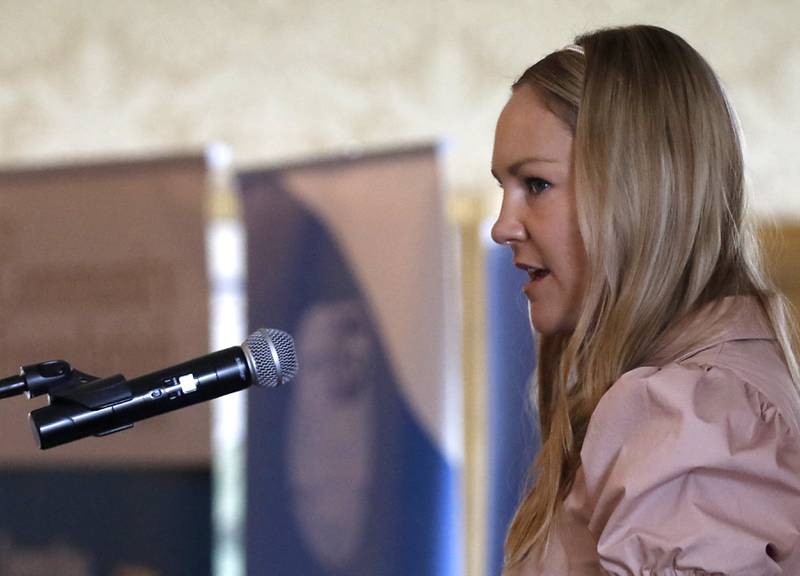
103,265
353,467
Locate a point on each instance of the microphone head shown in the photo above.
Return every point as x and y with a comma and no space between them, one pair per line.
272,355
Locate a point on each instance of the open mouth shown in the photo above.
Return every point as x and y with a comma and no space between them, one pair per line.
536,274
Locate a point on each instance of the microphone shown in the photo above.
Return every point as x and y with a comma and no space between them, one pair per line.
104,406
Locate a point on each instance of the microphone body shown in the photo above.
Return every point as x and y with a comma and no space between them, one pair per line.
150,395
113,404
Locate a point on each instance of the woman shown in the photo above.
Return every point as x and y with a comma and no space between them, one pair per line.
667,383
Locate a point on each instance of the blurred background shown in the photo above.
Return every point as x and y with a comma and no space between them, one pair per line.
176,174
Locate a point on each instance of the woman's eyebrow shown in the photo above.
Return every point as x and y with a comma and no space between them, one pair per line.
515,167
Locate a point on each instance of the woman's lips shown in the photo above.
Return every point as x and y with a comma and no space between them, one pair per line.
536,276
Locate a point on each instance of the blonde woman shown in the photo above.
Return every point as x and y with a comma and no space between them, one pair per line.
667,385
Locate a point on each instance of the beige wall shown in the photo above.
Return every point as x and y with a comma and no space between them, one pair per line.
287,78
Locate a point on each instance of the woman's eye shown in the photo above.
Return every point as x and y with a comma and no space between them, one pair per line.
536,186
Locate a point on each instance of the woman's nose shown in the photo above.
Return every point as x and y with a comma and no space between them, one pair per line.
508,227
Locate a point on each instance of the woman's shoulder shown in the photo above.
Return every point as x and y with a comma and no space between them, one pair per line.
737,377
738,369
661,422
726,404
702,452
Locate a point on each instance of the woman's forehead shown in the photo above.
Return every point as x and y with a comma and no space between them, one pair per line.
528,129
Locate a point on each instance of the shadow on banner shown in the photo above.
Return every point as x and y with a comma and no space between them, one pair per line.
353,468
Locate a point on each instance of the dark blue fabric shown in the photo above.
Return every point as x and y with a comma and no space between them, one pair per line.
158,521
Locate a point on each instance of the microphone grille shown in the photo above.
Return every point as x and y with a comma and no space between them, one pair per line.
273,355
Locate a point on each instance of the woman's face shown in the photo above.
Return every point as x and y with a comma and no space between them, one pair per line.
532,161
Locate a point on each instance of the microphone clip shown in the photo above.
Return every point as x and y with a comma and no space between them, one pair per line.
43,378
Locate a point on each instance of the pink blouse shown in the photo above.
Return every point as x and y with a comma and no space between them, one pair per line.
690,468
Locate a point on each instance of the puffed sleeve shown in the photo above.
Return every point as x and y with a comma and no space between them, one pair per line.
691,470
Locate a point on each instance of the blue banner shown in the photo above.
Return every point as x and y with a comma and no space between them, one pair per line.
513,433
347,472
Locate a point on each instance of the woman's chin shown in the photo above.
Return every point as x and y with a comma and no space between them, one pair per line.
548,323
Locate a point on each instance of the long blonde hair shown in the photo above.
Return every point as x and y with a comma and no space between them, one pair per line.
660,195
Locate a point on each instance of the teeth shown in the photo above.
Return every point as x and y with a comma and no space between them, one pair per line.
534,272
538,272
